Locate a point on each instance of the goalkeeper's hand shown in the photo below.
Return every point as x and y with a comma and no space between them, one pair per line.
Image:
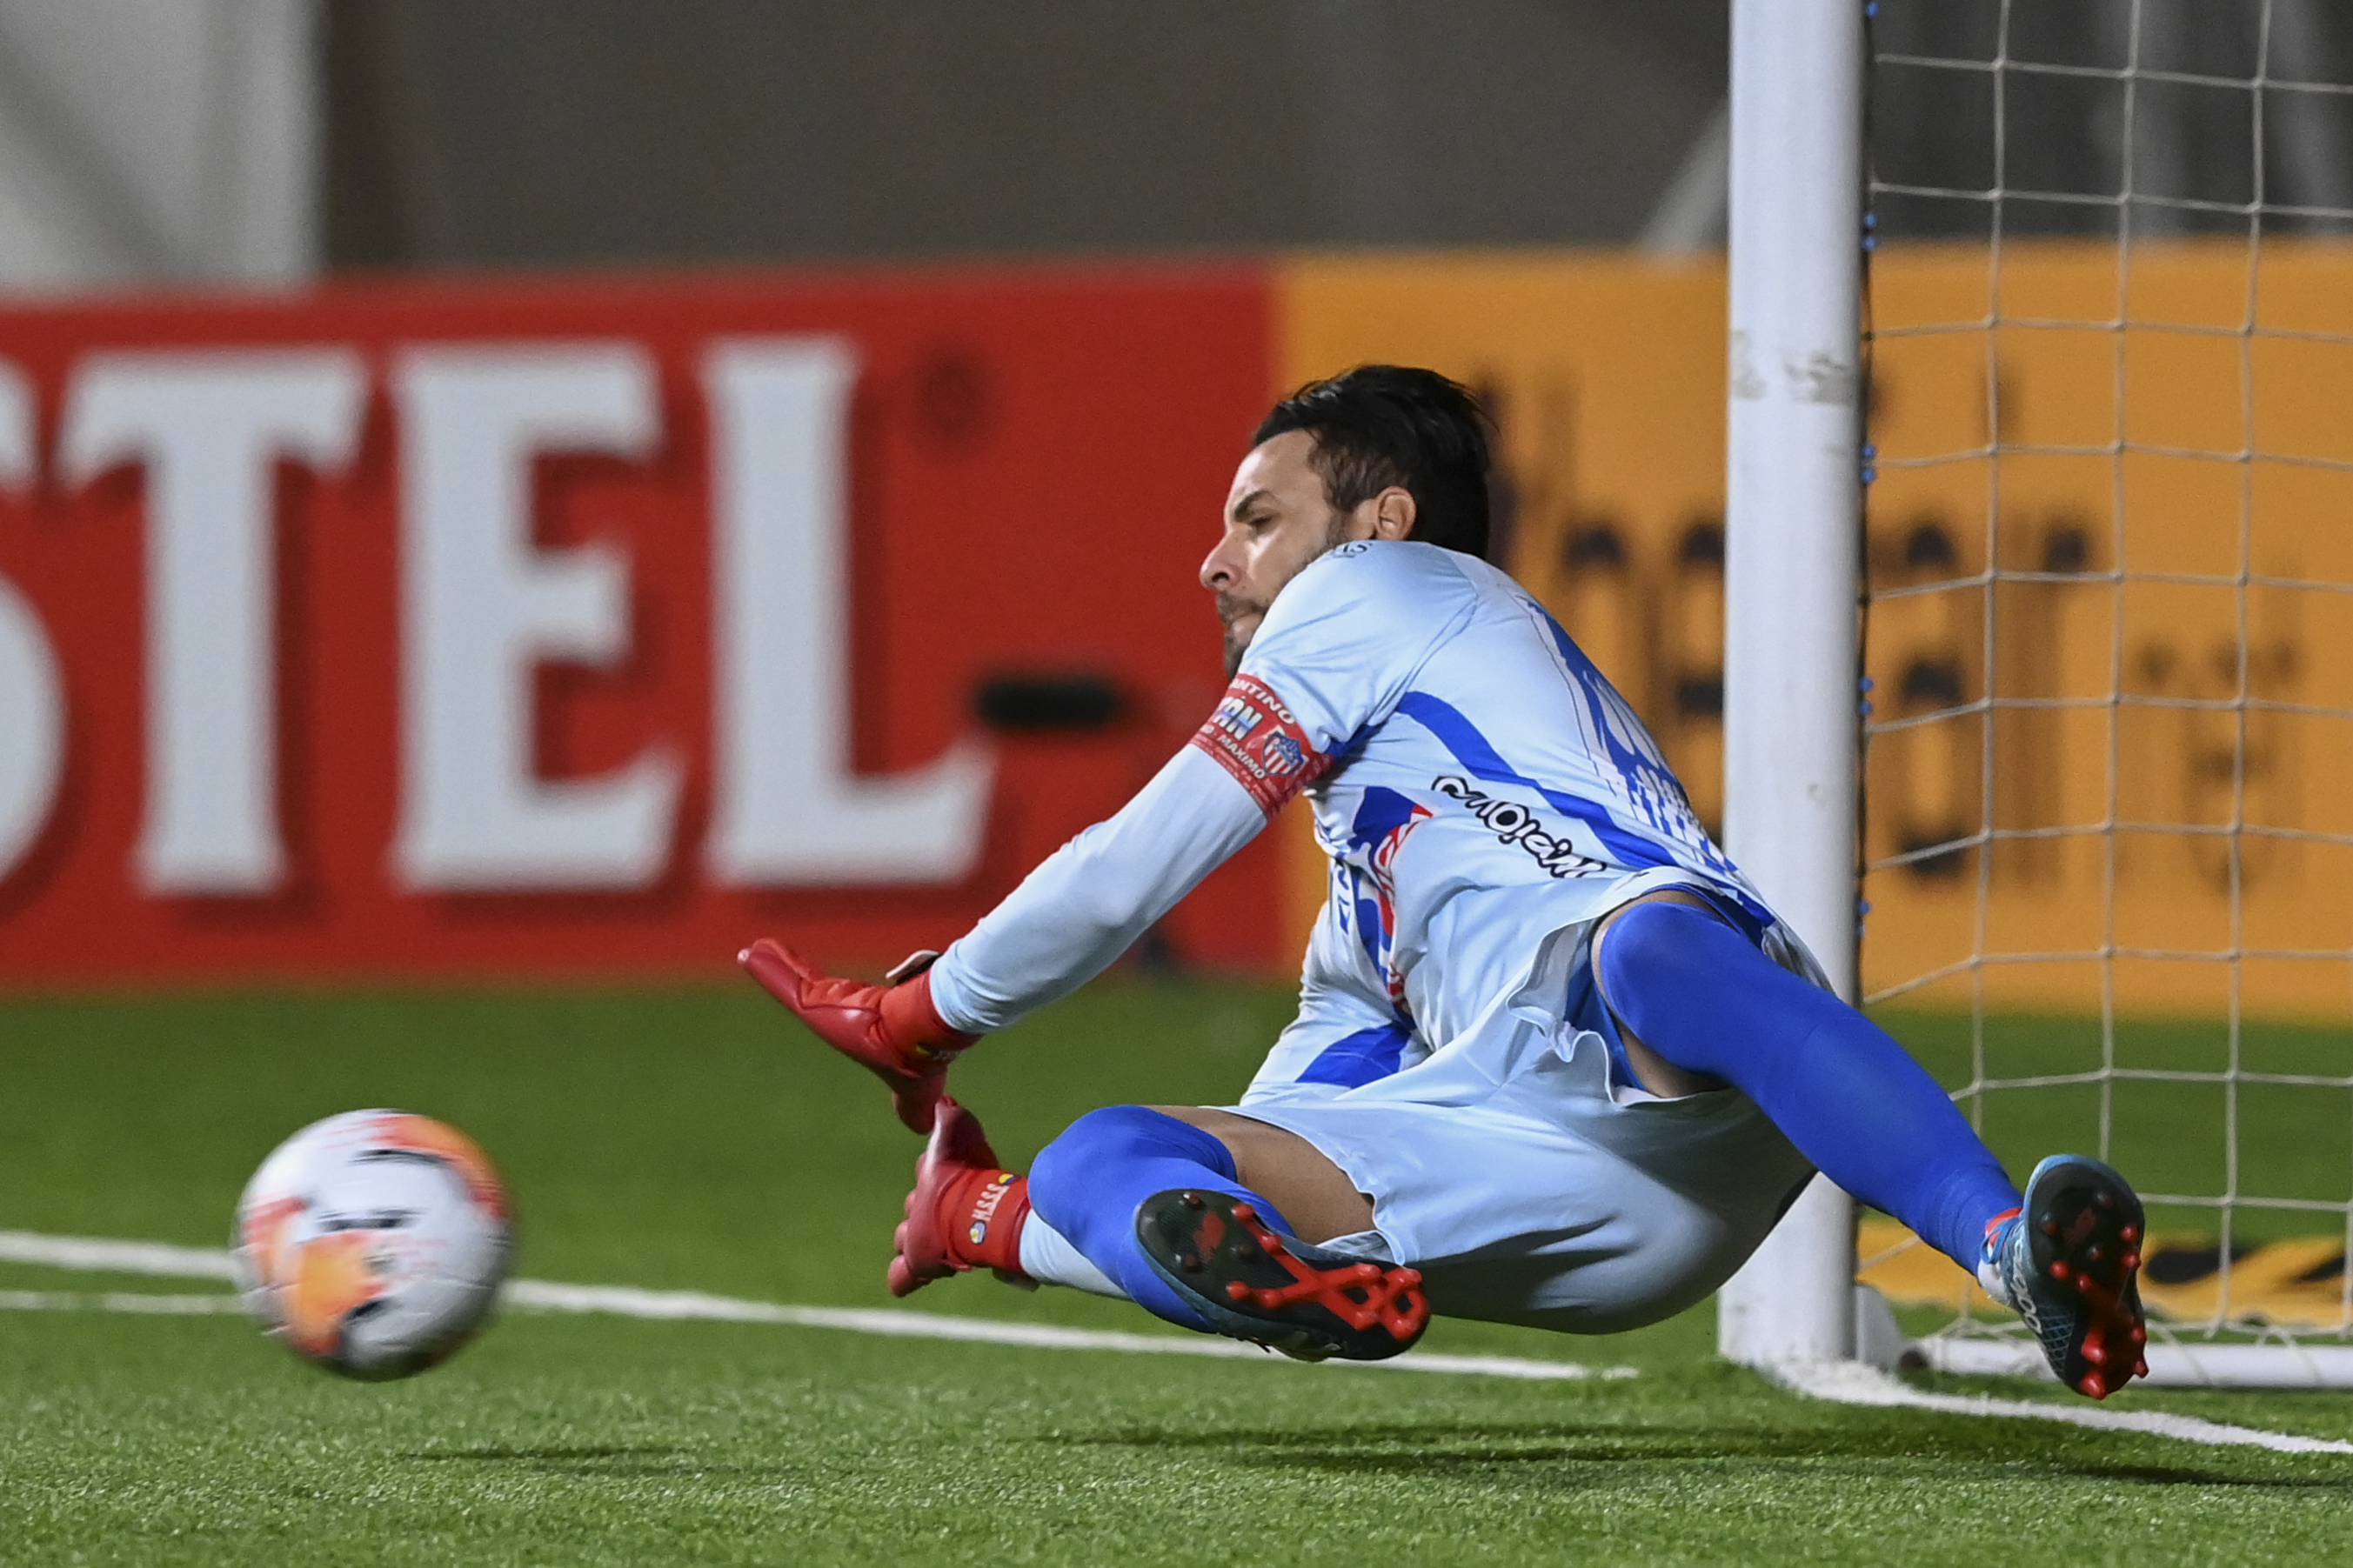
891,1030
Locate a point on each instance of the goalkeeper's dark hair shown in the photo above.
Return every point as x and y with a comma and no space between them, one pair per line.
1383,425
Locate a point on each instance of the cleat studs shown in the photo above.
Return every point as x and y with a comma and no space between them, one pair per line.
1190,1262
2104,1200
2058,1269
2140,1369
1238,1292
2139,1335
2132,1260
2049,1228
1244,1213
2129,1232
2095,1384
1190,1200
2096,1352
2091,1255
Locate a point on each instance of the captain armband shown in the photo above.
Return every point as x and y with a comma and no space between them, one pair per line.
1254,736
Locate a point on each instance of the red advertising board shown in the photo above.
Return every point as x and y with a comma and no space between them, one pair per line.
592,627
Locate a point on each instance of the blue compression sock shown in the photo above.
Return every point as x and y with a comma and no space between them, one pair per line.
1088,1182
1851,1100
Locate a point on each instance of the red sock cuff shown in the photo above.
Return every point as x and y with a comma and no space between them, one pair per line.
982,1214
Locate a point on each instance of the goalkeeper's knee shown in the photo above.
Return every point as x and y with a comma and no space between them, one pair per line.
1088,1183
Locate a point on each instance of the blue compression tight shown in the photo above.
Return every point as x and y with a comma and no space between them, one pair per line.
1841,1089
1088,1182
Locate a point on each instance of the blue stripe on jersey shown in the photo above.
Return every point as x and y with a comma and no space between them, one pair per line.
1463,738
1372,931
1478,758
1366,1057
1381,813
1656,794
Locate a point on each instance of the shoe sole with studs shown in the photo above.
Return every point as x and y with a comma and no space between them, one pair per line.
1254,1283
2084,1233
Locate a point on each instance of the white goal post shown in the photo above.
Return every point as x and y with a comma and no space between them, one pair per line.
1792,553
2105,368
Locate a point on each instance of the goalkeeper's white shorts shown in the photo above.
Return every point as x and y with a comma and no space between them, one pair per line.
1549,1201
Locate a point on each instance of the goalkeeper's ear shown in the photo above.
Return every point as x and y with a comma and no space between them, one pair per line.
1388,515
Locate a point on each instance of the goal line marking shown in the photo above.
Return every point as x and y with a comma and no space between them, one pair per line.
1855,1383
98,1254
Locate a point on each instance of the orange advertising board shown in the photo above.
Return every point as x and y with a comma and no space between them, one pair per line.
2061,753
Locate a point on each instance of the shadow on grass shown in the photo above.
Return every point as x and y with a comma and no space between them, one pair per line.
1442,1450
582,1451
586,1459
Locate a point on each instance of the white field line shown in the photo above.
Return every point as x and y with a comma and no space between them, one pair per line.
100,1256
119,1301
1853,1383
2172,1364
97,1253
680,1304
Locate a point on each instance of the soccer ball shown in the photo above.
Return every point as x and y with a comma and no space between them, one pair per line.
373,1243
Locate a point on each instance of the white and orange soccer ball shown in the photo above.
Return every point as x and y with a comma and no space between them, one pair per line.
373,1243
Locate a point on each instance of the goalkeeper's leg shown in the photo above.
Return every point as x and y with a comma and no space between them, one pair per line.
1687,987
1140,1203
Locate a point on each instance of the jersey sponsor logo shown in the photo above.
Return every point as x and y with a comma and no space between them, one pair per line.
1253,736
1517,826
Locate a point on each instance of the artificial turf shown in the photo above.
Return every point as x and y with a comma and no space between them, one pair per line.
691,1138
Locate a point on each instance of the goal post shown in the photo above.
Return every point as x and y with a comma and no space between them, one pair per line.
1793,555
2106,435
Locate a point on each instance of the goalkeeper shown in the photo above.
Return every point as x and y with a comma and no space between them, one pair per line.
1556,1061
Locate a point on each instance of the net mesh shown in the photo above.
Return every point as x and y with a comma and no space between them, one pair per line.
2108,844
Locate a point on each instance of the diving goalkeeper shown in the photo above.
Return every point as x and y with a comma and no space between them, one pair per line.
1556,1061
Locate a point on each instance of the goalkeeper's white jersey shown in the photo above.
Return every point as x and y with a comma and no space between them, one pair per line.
1477,783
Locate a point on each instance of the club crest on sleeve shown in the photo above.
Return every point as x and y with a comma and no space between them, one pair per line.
1253,736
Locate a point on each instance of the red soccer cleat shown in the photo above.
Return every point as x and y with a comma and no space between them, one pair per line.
1254,1283
966,1210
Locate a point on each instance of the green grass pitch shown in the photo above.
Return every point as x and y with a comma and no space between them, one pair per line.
692,1138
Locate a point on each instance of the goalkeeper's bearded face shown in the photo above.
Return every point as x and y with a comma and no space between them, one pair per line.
1278,519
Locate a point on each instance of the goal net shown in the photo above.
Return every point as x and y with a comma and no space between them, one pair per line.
2109,830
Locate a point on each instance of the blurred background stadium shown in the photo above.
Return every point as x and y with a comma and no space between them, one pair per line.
501,502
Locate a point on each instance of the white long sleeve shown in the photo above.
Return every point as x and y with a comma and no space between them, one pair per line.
1088,900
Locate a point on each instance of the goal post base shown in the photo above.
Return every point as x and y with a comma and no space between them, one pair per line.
1793,1301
